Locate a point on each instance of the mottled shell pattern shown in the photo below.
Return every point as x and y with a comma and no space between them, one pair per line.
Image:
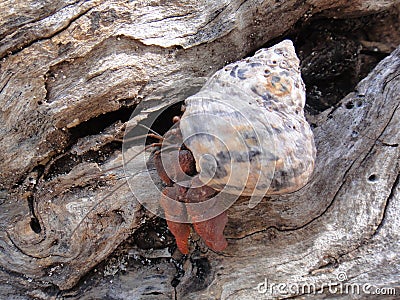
246,127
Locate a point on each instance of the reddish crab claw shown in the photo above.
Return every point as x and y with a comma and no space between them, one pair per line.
211,231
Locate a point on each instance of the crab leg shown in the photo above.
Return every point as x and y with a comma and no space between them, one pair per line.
211,231
181,231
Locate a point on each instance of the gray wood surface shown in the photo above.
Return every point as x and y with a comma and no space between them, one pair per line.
68,65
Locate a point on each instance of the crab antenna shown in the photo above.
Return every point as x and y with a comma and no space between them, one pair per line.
149,129
159,144
152,135
134,156
169,147
129,160
143,150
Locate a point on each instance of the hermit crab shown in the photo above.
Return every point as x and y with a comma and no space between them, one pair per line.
243,133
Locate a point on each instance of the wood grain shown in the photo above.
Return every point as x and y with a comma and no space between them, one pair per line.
71,72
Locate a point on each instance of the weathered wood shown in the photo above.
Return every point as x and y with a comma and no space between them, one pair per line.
68,66
339,233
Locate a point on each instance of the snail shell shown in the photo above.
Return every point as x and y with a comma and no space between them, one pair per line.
246,127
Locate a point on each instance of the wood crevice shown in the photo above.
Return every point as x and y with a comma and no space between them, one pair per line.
346,215
395,185
19,248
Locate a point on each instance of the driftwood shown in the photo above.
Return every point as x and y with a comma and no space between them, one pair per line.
72,73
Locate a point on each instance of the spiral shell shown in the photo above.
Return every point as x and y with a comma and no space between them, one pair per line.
246,127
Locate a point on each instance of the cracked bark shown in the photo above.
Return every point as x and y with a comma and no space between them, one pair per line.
69,82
